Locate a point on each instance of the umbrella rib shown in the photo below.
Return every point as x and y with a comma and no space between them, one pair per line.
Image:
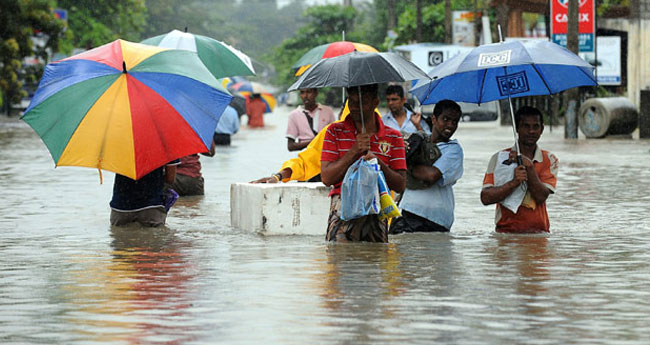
480,90
542,78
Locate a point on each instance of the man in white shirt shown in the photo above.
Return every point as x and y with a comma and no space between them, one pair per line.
399,117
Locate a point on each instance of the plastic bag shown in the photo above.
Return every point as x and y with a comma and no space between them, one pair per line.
359,190
504,173
388,208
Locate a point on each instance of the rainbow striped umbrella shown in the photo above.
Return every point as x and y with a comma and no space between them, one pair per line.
126,107
246,88
329,50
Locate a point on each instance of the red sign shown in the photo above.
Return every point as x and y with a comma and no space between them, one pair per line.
586,23
560,16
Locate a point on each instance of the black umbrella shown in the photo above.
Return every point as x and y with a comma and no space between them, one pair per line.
356,69
238,102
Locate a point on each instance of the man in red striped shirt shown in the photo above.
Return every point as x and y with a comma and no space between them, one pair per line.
344,143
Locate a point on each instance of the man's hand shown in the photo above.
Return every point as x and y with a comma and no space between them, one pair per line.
416,118
521,175
270,179
362,144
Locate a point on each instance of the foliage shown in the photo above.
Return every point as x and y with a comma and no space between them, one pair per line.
20,22
93,23
324,24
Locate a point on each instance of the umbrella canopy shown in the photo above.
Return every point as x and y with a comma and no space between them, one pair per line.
329,50
247,88
238,102
507,69
126,107
228,82
221,59
358,68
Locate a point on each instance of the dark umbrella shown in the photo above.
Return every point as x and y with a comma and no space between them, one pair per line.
238,102
356,69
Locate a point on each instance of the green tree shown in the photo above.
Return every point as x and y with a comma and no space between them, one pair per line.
20,22
324,24
93,23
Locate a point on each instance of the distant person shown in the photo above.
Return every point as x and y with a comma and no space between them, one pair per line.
145,201
428,202
227,126
399,116
535,179
189,179
307,120
344,143
255,109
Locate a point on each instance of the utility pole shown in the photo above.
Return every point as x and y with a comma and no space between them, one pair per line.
477,24
572,95
448,21
418,20
390,4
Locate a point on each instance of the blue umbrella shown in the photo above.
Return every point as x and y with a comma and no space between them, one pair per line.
509,69
503,70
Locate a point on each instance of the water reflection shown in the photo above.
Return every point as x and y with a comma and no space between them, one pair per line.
141,295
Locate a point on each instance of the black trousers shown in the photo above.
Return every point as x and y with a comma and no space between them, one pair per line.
410,222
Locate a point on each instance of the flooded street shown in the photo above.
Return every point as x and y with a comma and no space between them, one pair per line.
67,277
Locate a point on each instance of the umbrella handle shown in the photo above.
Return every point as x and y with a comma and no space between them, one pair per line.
363,125
514,131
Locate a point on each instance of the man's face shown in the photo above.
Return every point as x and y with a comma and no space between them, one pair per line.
395,103
446,123
530,129
369,103
308,97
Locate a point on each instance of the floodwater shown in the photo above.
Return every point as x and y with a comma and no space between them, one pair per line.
67,277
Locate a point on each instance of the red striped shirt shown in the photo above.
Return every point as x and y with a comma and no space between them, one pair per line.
387,144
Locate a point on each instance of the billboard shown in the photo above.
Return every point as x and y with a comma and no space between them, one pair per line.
608,65
586,23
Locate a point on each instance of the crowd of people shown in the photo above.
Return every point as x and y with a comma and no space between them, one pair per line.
423,182
421,173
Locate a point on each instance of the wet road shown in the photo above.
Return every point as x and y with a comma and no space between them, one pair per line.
67,277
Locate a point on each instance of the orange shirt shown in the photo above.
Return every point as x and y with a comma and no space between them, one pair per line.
530,217
255,110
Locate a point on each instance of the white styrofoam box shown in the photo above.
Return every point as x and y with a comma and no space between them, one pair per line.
280,208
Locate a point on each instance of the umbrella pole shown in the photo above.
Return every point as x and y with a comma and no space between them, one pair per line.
363,125
514,131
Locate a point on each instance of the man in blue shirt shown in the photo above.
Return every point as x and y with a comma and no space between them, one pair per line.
399,117
228,125
432,208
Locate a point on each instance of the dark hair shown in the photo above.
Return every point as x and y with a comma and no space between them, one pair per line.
444,105
370,89
528,111
395,90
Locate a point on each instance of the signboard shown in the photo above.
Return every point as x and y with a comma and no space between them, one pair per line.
463,28
608,69
436,57
586,23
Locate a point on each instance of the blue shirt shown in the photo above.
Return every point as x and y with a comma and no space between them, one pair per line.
229,122
407,126
135,195
436,203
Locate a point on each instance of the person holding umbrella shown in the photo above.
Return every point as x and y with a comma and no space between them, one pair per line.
146,200
536,178
362,134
